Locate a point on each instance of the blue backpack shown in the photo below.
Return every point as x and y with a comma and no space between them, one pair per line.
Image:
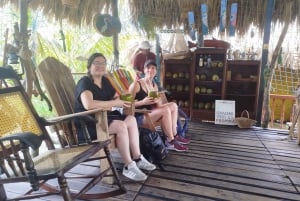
182,129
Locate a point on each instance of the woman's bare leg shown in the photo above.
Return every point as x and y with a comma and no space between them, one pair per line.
133,133
174,114
163,113
120,128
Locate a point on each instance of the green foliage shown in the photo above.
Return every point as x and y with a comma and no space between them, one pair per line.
42,107
81,42
78,44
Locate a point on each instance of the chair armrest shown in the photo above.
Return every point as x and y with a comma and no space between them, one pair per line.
82,115
144,111
27,138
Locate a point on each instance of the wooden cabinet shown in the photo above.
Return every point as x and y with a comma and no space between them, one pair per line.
196,85
242,85
177,80
208,72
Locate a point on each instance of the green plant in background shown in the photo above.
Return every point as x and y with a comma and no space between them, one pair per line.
79,42
79,46
42,107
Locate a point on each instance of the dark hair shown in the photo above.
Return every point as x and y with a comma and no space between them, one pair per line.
150,62
91,60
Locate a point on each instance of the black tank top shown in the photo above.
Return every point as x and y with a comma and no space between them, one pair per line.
140,95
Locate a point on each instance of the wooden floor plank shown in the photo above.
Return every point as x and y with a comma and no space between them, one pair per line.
230,171
229,185
234,154
223,163
199,190
228,146
283,185
158,193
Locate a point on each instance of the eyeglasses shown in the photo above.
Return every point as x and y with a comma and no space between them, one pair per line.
98,63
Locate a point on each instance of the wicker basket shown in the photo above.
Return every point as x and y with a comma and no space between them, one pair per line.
244,122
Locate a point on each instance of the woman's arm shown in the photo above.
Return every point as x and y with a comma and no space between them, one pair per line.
134,88
158,100
89,103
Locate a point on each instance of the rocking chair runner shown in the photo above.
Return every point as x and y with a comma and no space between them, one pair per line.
21,128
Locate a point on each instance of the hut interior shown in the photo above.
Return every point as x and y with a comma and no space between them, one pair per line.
224,162
151,16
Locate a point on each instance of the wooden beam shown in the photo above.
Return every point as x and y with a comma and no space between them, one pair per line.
2,193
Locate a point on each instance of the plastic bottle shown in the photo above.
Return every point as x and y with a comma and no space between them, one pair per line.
208,61
200,61
205,61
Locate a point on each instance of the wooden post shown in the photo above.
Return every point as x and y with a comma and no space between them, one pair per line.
116,35
102,135
2,193
158,61
264,59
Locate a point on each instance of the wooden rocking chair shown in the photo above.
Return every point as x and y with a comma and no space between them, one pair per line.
60,86
21,128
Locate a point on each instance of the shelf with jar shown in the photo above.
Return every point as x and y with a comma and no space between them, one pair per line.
177,80
242,85
208,81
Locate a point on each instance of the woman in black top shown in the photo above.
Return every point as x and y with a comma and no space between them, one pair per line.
95,91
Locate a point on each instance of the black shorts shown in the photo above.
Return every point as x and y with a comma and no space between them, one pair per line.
115,115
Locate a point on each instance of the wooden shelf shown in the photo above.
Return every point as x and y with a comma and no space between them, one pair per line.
241,81
244,84
241,94
242,87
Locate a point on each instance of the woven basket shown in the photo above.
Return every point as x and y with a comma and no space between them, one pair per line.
244,122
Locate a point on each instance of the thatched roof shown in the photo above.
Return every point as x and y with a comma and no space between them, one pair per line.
154,14
76,12
168,13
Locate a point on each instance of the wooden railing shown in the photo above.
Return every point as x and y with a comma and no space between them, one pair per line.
283,99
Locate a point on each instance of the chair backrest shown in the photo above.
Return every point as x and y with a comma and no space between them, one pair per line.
59,84
17,116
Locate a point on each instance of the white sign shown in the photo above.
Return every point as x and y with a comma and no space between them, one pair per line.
225,112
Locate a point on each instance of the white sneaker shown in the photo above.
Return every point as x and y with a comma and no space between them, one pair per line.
133,172
145,165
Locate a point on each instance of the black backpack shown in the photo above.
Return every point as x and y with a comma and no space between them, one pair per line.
152,146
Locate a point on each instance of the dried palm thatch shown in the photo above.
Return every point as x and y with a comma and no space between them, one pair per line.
151,15
172,13
76,12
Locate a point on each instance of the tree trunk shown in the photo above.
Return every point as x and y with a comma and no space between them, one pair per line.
270,71
24,52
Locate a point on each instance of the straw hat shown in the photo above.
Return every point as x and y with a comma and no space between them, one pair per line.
145,45
106,24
